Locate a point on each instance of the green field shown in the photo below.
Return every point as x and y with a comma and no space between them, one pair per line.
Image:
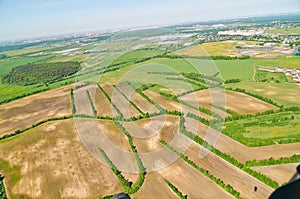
6,65
9,92
229,69
282,62
264,76
283,93
265,130
286,31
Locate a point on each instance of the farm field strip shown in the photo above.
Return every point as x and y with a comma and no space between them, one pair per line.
173,105
129,100
120,102
82,102
237,102
281,173
192,183
136,98
241,181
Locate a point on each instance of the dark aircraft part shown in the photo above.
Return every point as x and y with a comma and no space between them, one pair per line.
121,196
291,190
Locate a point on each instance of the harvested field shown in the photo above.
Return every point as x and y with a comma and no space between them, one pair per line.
82,102
172,105
100,102
163,101
154,185
238,102
281,173
50,162
136,98
238,179
120,101
191,182
147,133
237,150
33,109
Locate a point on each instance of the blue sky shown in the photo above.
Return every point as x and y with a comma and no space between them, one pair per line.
31,18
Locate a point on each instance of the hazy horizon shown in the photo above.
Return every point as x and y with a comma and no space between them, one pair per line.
32,18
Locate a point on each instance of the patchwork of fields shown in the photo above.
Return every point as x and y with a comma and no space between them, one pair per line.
129,124
147,122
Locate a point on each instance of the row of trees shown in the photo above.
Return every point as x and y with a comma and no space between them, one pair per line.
216,57
271,161
73,101
91,103
2,188
175,189
218,181
136,186
268,112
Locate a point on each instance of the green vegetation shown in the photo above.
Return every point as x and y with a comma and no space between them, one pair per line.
6,65
279,127
264,76
175,189
228,69
2,189
136,56
13,176
284,160
280,62
73,102
146,33
43,73
285,31
12,92
218,181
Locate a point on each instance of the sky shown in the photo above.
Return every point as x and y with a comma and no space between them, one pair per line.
21,19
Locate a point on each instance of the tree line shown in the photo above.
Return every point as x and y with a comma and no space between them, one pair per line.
175,189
